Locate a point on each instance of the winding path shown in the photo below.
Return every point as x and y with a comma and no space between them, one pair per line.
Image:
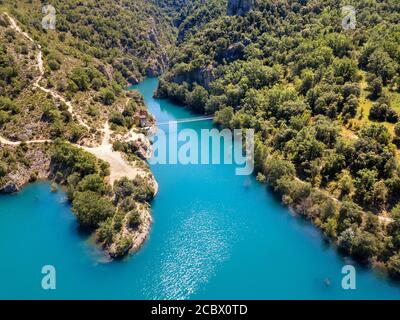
39,59
119,167
17,143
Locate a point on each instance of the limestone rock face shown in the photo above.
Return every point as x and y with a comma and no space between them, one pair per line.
202,76
239,7
10,187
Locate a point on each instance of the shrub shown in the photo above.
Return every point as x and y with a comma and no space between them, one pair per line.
382,112
224,116
93,182
375,86
364,246
134,219
91,209
105,232
397,129
4,117
117,118
275,168
54,65
54,187
393,266
71,159
138,188
107,96
123,246
3,168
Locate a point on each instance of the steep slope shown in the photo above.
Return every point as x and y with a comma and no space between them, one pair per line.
323,95
190,16
60,90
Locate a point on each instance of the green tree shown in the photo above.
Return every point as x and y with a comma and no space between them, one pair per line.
105,232
224,117
276,168
364,246
81,79
93,182
375,86
397,130
365,183
107,96
91,209
382,65
197,98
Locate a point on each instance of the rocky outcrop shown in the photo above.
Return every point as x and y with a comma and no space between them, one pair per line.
10,187
157,66
39,168
202,76
106,70
234,52
134,237
133,80
239,7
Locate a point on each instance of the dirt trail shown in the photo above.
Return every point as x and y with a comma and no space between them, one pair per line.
8,142
119,167
16,143
36,84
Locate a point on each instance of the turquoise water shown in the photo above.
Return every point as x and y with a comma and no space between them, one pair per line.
215,235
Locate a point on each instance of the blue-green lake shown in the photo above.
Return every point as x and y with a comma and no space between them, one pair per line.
215,236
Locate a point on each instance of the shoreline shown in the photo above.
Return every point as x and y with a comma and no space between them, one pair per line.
41,170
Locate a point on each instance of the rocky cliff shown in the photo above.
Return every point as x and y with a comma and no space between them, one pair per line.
239,7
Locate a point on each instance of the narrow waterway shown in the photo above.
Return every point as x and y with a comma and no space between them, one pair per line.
215,235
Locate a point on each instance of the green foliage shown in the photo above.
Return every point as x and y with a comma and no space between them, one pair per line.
95,183
122,246
134,219
397,129
364,246
105,232
224,116
394,266
117,118
197,98
70,159
276,168
283,70
107,96
382,112
3,169
137,188
54,65
375,86
91,209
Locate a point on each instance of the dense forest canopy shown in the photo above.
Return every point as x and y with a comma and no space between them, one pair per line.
325,103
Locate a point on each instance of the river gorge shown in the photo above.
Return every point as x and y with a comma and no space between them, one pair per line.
215,235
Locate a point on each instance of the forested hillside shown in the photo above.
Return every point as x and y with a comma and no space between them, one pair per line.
325,103
64,107
323,99
190,16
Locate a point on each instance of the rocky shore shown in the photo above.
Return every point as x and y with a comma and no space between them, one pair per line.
39,168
